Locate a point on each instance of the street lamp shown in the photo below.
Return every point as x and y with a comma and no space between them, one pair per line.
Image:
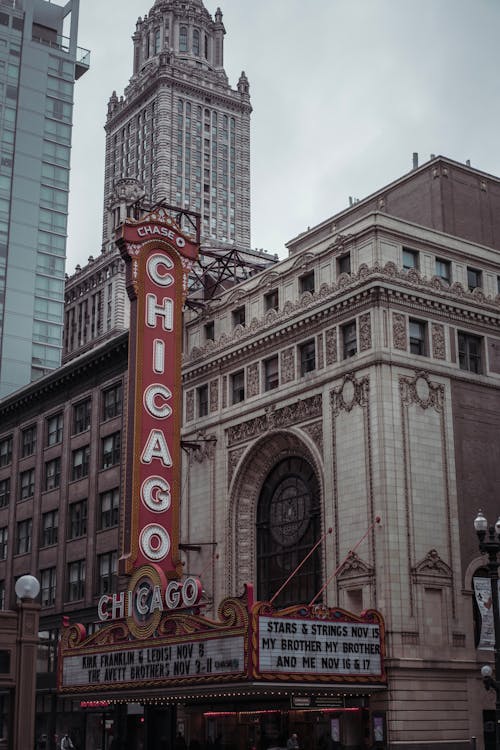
27,589
490,545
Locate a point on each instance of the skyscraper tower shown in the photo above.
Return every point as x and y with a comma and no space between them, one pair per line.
181,134
39,63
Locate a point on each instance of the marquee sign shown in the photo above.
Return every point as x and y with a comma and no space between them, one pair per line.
247,643
158,258
186,649
317,643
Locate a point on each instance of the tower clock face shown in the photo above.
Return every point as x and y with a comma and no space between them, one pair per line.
290,511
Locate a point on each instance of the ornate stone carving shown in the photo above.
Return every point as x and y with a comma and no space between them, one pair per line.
315,431
365,332
355,567
319,352
306,298
438,342
238,331
432,565
331,345
224,391
271,317
190,406
214,395
288,365
422,391
299,411
399,335
233,461
253,379
352,392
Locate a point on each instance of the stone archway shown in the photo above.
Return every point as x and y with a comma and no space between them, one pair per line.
253,468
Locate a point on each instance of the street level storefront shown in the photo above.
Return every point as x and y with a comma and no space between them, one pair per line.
246,680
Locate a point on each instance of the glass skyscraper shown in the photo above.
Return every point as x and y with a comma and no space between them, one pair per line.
39,63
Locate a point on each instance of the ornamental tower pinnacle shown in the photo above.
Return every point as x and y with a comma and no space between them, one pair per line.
179,129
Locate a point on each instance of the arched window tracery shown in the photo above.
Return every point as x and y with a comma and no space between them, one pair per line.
288,526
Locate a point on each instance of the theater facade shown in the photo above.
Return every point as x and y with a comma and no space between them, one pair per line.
276,536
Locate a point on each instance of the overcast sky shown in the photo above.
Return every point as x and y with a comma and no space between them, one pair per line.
343,92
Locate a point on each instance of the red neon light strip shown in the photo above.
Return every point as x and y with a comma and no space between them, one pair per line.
215,714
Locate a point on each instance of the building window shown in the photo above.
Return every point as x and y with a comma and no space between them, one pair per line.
2,597
46,660
469,352
183,39
77,525
4,538
112,402
26,484
271,374
109,504
306,283
6,451
418,337
111,450
209,331
4,492
349,340
238,387
410,259
76,581
106,572
28,441
238,316
196,42
81,416
48,587
271,300
54,429
344,264
202,396
52,474
23,541
443,270
288,525
80,463
157,42
473,278
307,356
50,528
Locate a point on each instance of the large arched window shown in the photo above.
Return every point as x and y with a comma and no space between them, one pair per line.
288,526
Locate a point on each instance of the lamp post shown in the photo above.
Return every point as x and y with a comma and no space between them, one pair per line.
489,543
27,589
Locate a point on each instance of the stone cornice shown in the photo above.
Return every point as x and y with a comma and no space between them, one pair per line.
185,78
348,293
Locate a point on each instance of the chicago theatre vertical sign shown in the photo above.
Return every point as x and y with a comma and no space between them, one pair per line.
158,258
